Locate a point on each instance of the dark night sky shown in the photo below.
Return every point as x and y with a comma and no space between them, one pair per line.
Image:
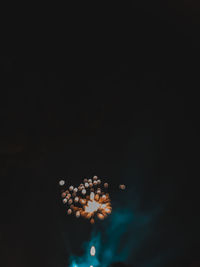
107,91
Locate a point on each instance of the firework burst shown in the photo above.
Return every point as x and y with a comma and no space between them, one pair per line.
89,200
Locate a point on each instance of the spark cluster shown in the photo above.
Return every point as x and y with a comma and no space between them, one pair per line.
89,200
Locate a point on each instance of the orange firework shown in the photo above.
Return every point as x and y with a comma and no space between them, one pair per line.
89,199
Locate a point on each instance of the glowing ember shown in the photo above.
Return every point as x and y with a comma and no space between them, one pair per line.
62,182
122,186
100,216
92,251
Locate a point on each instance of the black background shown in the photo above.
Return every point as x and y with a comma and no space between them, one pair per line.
79,84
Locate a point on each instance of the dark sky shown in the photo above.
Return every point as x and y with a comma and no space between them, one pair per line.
106,90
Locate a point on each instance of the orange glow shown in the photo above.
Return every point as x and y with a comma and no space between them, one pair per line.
101,207
97,197
100,216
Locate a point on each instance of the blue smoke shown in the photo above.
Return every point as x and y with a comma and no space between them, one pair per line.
117,241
